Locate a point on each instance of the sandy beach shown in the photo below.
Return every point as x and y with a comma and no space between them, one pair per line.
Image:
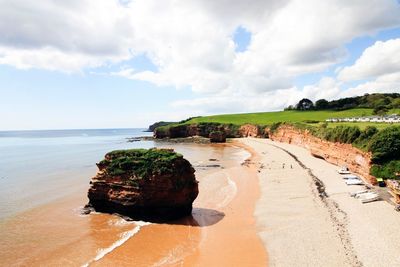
307,218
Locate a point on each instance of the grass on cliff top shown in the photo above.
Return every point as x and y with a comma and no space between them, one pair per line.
265,118
140,162
268,118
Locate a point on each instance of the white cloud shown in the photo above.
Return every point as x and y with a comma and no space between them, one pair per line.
64,35
190,42
382,58
288,39
327,88
379,64
389,83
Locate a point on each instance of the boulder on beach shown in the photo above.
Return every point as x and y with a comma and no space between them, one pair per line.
217,137
153,185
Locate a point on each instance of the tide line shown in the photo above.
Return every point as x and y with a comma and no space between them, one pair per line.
124,237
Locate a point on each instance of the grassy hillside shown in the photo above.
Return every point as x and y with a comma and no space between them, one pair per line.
265,118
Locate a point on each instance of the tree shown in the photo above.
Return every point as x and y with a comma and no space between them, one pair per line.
321,104
385,145
290,107
380,110
396,103
305,104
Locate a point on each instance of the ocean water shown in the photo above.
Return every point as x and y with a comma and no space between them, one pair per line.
37,167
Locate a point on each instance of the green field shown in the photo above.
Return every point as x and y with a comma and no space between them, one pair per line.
266,118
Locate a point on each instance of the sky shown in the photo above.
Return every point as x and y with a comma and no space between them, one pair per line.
83,64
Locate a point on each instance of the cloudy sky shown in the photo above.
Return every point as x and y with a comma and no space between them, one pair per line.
110,63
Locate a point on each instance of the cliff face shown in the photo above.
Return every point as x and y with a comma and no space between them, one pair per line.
205,129
164,192
249,130
337,153
186,130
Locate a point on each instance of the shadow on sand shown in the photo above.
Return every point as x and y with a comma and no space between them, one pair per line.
200,218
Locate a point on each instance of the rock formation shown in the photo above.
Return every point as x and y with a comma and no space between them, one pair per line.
249,130
158,124
155,184
337,153
217,137
204,129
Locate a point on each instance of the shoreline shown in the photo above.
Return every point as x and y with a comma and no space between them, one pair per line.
307,218
261,203
221,231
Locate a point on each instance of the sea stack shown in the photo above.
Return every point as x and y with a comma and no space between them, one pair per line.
152,185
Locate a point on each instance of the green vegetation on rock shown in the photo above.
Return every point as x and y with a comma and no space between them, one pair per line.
140,163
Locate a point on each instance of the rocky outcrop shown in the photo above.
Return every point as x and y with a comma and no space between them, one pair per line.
217,137
249,130
337,153
153,185
158,124
205,129
199,129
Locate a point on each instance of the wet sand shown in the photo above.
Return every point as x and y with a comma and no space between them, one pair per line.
221,231
307,218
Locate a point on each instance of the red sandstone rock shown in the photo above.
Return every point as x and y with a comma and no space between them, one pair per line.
337,153
158,197
249,130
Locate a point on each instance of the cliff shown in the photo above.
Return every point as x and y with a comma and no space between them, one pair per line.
205,129
340,154
337,153
158,124
155,184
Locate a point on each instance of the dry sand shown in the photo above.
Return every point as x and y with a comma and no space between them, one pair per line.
307,218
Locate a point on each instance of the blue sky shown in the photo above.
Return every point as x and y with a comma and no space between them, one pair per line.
139,67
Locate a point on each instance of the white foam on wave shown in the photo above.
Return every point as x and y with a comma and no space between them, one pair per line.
229,192
174,256
123,238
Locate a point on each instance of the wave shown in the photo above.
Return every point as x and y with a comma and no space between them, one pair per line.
228,191
123,238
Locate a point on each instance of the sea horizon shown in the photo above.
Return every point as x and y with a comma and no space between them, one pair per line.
72,129
35,163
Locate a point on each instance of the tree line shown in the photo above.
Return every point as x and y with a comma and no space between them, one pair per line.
381,103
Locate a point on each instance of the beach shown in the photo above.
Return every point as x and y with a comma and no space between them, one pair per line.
307,218
261,203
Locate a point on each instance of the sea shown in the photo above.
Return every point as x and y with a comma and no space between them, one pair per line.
37,167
